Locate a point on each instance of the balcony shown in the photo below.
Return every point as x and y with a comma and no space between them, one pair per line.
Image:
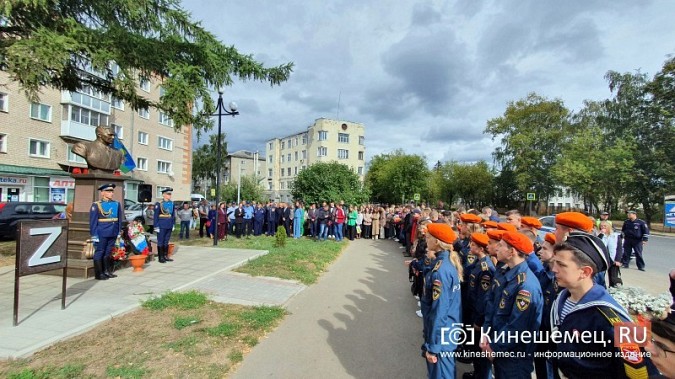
74,129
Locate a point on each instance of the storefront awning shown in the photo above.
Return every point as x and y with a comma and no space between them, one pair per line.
26,170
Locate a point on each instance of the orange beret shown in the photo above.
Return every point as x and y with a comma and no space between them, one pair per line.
532,222
507,227
442,232
550,238
519,241
575,220
480,239
470,218
495,234
489,224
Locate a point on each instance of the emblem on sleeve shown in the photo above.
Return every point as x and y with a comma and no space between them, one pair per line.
523,300
485,282
436,291
438,264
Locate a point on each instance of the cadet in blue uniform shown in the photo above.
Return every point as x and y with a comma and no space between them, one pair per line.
544,367
635,234
518,310
445,308
587,307
576,222
105,225
165,219
258,219
479,288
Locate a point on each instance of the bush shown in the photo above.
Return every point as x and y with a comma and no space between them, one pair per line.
280,237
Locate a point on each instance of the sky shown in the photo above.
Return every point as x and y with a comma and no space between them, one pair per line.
426,76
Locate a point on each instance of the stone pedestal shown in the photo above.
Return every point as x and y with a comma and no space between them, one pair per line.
86,192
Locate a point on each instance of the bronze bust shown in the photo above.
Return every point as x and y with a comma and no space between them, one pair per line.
99,154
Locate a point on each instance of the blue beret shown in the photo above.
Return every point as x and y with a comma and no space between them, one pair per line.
107,186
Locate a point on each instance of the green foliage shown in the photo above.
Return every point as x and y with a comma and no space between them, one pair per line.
236,356
186,344
280,237
180,322
396,177
49,43
68,371
204,162
263,317
224,329
329,182
125,372
250,190
179,300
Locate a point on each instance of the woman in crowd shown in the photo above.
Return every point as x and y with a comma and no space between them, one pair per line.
351,223
610,239
222,221
212,216
376,223
367,223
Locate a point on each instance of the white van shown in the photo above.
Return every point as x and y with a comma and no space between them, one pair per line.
195,197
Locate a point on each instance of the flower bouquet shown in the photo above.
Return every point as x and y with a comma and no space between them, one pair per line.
136,234
119,252
639,303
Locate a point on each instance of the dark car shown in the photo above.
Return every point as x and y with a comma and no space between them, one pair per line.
13,212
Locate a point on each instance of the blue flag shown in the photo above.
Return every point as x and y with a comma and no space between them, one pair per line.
128,163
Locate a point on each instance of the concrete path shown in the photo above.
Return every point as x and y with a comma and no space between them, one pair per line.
358,321
90,302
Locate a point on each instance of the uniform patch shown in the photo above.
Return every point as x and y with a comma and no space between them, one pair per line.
485,282
471,259
437,265
436,291
523,300
502,303
521,277
630,353
472,280
484,266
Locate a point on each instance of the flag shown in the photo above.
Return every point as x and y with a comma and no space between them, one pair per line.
128,163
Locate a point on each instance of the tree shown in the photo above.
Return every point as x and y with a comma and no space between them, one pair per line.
473,183
250,190
68,45
394,178
530,130
329,182
204,162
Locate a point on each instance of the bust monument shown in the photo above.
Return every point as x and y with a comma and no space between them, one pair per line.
99,154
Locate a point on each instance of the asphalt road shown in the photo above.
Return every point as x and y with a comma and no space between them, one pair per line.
659,256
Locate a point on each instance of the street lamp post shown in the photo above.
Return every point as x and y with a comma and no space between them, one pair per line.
220,107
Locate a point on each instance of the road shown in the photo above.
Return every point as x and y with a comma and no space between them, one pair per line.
659,255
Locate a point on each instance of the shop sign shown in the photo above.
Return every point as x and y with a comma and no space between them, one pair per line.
13,180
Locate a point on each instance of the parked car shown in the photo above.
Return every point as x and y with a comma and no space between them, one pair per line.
136,211
128,203
548,226
13,212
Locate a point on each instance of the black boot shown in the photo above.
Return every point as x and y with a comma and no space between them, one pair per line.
160,254
98,270
108,266
166,254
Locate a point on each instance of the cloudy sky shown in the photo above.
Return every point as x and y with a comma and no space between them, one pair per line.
426,76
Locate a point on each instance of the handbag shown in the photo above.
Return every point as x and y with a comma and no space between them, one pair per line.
208,224
88,249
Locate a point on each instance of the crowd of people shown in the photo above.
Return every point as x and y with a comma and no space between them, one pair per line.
495,294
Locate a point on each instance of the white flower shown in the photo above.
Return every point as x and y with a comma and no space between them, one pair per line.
636,301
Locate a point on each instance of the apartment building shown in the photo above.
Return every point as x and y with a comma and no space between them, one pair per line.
36,140
324,141
244,163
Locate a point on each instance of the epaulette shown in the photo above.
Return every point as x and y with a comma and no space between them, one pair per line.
521,277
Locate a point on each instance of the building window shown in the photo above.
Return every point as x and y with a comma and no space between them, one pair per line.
283,185
159,191
269,172
41,189
143,138
296,155
269,159
4,102
282,172
164,119
343,137
343,154
360,170
304,154
142,164
323,135
304,139
72,157
288,157
360,155
289,171
41,112
271,145
303,167
322,151
283,157
295,170
362,140
144,113
163,167
290,143
3,143
92,99
165,143
144,84
87,116
119,131
38,148
296,141
117,103
269,186
283,145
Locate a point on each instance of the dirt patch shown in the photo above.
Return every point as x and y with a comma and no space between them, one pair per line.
200,343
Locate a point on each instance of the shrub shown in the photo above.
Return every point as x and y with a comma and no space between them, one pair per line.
280,237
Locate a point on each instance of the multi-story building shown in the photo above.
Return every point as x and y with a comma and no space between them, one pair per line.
240,164
36,141
324,141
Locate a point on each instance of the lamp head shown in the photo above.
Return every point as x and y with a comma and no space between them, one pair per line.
233,106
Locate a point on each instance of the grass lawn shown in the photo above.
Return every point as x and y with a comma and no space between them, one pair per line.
177,335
